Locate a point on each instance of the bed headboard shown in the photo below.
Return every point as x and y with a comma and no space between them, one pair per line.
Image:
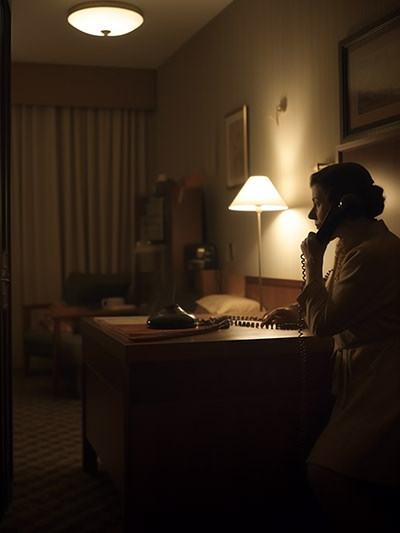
276,292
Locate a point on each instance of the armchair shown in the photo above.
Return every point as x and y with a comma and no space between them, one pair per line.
55,333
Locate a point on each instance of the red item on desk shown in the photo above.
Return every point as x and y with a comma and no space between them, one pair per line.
141,333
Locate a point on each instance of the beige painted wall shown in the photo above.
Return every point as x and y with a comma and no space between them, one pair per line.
256,52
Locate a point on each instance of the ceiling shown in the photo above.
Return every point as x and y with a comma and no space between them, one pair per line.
41,34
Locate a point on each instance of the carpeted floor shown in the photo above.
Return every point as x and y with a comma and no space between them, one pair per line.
51,493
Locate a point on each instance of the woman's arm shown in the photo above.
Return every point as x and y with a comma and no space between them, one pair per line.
367,282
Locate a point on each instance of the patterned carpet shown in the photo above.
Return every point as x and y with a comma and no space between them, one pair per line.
51,493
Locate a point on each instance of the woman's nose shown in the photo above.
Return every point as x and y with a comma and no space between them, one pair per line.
312,215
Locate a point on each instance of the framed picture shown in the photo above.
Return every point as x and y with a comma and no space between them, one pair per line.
237,164
370,78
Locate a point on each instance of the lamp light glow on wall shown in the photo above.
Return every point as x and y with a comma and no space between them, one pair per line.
258,194
105,19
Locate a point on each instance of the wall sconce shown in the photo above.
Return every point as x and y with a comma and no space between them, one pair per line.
281,108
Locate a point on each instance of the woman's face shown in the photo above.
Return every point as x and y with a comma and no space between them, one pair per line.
321,205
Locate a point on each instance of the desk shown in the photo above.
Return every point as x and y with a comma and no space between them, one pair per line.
201,420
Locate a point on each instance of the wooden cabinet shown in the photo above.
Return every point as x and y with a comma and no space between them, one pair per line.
165,224
186,225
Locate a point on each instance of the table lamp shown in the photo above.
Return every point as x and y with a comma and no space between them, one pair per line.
258,194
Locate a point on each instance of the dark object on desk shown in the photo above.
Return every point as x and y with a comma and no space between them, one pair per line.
198,257
142,333
171,317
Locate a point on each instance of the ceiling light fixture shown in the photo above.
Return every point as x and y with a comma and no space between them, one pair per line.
105,19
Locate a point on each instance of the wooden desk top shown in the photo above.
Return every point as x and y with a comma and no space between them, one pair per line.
223,343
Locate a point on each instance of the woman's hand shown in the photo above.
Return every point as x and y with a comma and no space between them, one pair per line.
281,315
313,251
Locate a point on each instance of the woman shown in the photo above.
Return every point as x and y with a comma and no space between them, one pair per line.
358,453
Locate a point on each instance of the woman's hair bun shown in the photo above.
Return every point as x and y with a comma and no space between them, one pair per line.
374,201
351,178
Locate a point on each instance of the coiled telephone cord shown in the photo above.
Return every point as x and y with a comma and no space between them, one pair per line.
245,321
303,370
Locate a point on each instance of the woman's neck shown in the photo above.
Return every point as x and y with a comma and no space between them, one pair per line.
355,231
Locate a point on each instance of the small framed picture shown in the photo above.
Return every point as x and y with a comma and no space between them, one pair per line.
237,163
370,78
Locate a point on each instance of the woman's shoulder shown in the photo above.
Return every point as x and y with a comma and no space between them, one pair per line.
382,247
382,237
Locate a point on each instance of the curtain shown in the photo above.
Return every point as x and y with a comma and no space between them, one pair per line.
75,175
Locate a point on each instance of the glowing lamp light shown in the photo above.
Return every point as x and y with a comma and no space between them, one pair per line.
258,194
105,19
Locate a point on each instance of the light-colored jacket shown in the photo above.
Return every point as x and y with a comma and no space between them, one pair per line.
360,307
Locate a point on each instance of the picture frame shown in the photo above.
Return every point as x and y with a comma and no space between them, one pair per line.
370,79
236,139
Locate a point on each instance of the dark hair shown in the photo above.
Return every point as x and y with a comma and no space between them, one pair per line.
351,178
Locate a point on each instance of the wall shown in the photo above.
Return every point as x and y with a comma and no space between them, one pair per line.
72,85
256,52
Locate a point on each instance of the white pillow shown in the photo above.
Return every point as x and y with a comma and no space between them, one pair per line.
227,304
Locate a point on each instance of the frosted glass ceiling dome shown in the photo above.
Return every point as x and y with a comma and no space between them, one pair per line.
105,19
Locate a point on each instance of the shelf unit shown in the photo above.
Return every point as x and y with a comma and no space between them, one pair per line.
161,263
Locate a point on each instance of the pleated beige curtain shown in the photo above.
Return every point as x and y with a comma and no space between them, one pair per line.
101,165
75,173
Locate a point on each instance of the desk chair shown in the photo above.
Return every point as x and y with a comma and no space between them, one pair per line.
55,333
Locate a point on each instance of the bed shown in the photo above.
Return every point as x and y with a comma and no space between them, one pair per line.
234,294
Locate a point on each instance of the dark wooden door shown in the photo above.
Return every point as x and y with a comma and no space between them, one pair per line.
5,282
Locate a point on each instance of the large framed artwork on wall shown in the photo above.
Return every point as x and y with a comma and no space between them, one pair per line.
237,160
370,79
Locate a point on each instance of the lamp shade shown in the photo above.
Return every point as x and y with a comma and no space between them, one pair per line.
258,194
105,19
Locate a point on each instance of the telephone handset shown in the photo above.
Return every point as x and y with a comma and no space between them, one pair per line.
348,207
